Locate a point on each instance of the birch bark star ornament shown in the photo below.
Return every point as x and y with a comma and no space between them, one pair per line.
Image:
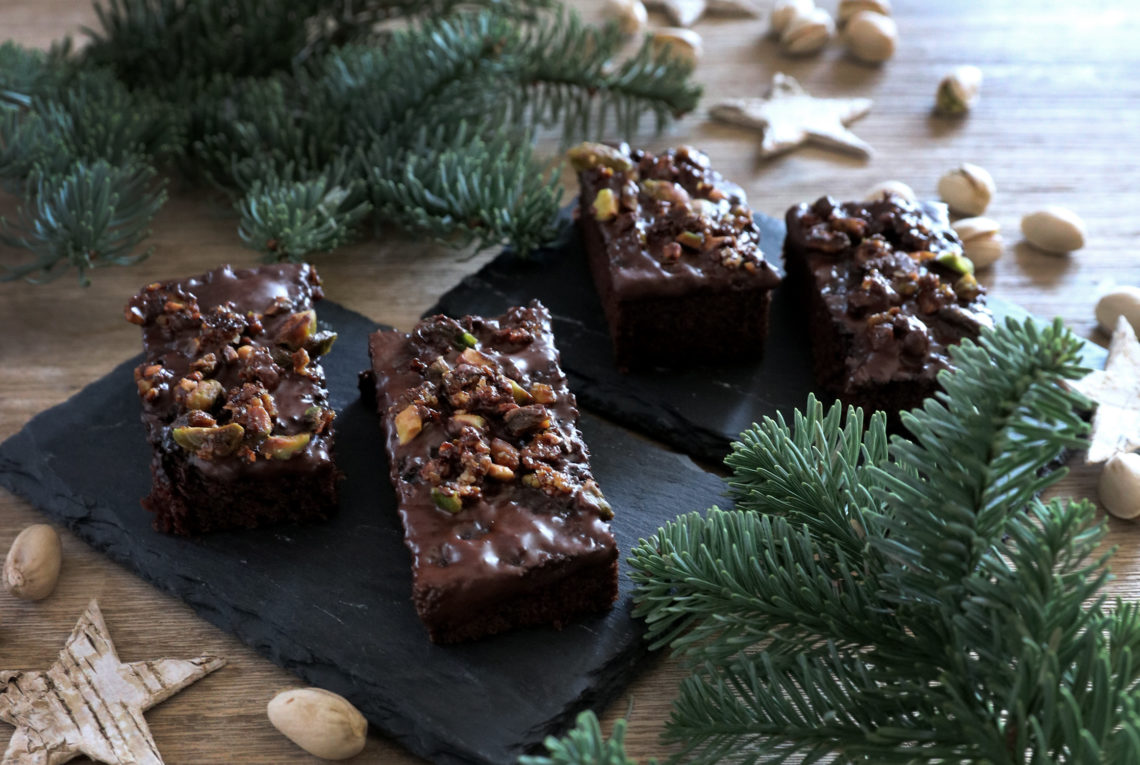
790,117
89,703
1116,389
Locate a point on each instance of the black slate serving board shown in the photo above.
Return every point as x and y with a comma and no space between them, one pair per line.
331,601
698,410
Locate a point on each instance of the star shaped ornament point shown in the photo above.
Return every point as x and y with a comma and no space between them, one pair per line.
89,703
1116,389
789,117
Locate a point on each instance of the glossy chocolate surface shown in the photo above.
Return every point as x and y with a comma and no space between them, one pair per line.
677,226
894,278
483,537
250,331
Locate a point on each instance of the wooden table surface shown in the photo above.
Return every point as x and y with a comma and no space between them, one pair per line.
1058,123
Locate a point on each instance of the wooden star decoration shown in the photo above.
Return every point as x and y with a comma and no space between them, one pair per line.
1116,389
790,117
90,703
685,13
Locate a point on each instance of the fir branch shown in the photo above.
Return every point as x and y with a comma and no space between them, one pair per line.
458,185
290,220
164,44
259,98
913,603
584,744
94,215
557,84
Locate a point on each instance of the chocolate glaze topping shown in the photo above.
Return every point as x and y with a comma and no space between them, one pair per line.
490,470
230,377
671,224
895,279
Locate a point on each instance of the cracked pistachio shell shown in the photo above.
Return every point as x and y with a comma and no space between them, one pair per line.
1054,229
959,90
808,34
981,239
871,37
31,569
890,189
967,189
784,12
683,43
630,15
848,8
322,723
1117,302
1119,486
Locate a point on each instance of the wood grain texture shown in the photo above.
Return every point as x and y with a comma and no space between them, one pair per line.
1059,122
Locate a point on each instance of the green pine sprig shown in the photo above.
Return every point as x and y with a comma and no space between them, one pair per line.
584,744
96,214
875,599
270,102
289,219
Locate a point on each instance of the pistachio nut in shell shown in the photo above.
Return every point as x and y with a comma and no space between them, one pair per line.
1119,301
682,43
807,34
1054,229
981,239
31,569
959,90
888,189
784,11
848,8
630,15
322,723
967,189
1119,486
871,37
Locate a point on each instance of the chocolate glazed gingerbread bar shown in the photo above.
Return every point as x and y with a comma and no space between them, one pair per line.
675,256
888,290
233,399
504,521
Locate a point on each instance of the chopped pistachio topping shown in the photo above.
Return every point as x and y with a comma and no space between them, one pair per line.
447,500
321,343
216,441
666,191
520,393
588,155
473,357
284,447
956,261
605,205
474,420
296,329
204,395
408,424
694,240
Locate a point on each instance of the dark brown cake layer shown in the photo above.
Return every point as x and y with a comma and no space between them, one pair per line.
675,256
501,513
234,403
888,290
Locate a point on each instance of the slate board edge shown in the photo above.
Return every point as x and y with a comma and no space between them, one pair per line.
74,511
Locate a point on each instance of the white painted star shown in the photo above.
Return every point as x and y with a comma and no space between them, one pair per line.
90,703
1116,389
790,117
